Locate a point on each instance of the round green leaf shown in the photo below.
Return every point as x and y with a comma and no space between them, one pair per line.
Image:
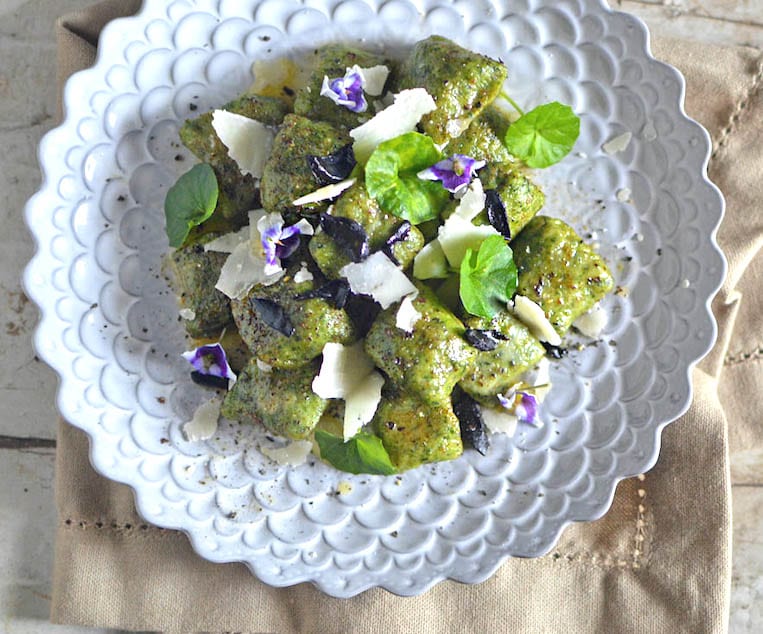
391,178
543,136
189,202
488,277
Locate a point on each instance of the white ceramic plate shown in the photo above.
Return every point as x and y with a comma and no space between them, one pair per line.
109,324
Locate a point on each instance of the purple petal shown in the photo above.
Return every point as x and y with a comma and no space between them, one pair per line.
527,409
455,172
210,359
507,401
288,243
346,91
270,247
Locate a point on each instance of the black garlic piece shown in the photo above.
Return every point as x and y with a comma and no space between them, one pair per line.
363,311
333,167
336,292
496,213
273,315
554,352
401,233
349,236
483,340
208,380
473,432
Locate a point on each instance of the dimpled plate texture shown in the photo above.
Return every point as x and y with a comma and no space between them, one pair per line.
110,328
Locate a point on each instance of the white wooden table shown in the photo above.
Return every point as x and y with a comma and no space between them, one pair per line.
27,386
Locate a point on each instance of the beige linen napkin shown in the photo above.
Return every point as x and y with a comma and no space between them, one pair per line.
657,562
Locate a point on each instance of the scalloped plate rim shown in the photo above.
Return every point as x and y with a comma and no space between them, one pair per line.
47,316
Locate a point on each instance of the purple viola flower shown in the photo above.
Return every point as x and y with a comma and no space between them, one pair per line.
279,242
525,406
455,172
210,359
346,91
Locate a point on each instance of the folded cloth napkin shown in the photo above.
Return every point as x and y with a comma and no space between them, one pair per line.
658,561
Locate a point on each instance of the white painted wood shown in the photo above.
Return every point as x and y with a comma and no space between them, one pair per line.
747,577
669,21
749,11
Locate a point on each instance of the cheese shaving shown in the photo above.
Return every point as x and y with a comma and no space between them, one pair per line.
249,142
374,77
592,323
347,372
378,277
227,243
407,315
532,316
203,425
325,193
401,117
303,275
457,235
618,144
293,454
430,262
472,202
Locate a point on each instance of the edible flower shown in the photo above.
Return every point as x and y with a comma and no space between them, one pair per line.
279,242
210,359
346,91
525,406
455,172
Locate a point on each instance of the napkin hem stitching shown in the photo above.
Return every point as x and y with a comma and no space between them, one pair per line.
642,540
744,357
739,109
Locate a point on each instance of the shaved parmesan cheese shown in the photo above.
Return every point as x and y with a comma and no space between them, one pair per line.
457,235
347,372
378,277
342,369
203,425
303,275
401,117
430,262
187,313
618,144
455,127
293,454
228,242
264,367
532,316
472,202
593,322
499,421
360,404
241,271
325,193
249,142
374,78
407,315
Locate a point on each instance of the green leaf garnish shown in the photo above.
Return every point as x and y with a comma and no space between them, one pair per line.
189,202
363,453
488,277
391,178
543,136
